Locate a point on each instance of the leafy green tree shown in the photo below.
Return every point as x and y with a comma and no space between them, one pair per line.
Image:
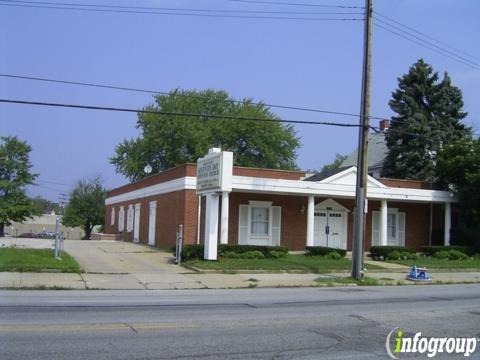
429,115
459,169
15,175
339,159
45,206
86,205
170,140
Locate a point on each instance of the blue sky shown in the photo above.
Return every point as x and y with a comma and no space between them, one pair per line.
314,64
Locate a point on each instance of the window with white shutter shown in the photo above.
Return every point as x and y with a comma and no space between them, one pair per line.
259,223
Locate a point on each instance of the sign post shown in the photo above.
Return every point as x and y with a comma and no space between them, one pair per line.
214,176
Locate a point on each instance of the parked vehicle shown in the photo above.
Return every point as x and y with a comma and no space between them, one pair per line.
29,235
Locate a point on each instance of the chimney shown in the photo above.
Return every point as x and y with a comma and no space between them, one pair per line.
384,125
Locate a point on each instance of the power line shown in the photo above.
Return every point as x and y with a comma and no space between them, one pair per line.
53,182
472,63
180,9
169,113
123,88
424,45
296,4
427,36
180,14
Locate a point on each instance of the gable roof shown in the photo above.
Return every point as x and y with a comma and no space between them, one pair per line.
344,176
377,151
326,174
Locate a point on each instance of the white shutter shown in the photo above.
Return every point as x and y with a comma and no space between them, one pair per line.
401,228
276,225
243,225
121,219
112,217
375,228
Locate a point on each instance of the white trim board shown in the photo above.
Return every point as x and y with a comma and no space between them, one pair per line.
297,187
291,187
185,183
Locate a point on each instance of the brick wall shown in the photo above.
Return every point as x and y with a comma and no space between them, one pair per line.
173,209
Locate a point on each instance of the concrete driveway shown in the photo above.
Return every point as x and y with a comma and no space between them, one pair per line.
113,264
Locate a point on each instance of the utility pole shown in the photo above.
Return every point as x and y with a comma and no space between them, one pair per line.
362,159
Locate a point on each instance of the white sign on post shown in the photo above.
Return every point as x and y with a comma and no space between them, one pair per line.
214,172
214,175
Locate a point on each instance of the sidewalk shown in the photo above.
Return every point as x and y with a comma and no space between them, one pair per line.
118,265
203,280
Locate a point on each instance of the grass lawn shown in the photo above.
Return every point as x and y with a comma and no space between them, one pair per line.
433,263
312,264
36,260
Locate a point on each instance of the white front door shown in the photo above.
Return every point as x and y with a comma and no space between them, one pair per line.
329,229
319,229
151,223
136,226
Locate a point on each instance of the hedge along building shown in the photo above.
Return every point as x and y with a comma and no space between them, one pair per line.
239,205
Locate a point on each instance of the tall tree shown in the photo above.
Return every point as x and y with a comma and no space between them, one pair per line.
459,169
86,205
15,175
45,206
429,115
339,159
170,140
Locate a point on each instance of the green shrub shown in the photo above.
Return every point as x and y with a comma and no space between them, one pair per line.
395,255
405,255
457,255
190,252
276,254
239,249
383,251
431,250
323,250
231,255
442,255
334,256
254,254
450,255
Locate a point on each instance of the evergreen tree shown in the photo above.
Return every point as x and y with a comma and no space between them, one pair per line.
429,115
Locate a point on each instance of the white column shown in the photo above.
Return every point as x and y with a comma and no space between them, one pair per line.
383,223
199,216
448,224
224,219
211,227
310,220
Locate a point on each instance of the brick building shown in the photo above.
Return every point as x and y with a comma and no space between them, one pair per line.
276,207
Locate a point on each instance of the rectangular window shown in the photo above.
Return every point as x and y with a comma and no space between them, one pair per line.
260,221
392,226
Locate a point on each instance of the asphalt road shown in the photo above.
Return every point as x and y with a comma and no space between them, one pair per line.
298,323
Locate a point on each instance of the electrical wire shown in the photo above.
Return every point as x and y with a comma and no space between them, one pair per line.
169,113
123,88
424,45
180,9
295,4
53,182
472,63
311,19
426,35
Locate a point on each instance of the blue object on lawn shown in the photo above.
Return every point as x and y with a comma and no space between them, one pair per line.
418,274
